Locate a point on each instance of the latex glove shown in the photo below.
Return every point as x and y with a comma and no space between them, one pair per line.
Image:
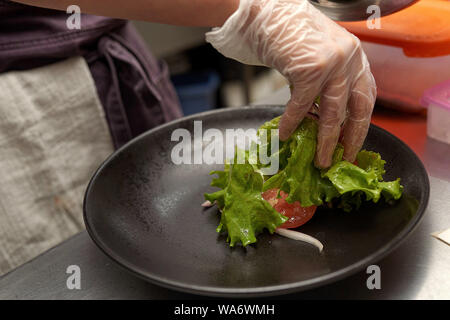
317,56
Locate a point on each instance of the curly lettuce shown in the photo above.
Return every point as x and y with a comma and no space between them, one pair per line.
244,213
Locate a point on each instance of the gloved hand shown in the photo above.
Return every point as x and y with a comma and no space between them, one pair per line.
317,56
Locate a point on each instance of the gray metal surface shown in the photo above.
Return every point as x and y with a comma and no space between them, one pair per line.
354,10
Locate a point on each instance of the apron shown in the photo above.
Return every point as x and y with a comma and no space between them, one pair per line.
68,99
133,87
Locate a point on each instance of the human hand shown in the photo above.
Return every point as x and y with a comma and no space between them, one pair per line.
317,56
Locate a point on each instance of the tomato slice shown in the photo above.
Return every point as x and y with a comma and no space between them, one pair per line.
294,211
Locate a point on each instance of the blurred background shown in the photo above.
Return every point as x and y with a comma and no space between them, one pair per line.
203,78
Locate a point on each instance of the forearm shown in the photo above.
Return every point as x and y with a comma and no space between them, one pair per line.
206,13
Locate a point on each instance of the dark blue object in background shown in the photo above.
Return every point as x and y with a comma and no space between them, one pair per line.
197,91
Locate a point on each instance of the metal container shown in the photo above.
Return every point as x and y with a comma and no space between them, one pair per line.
354,10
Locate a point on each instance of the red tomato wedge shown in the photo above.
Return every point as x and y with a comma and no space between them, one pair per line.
294,211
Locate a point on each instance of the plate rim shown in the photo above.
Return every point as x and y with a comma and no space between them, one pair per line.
253,291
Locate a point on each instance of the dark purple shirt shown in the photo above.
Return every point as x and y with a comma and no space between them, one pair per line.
134,88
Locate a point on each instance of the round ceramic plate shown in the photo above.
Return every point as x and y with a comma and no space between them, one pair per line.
145,213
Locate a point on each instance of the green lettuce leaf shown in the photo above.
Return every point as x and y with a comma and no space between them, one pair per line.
220,182
283,151
310,186
244,213
354,181
371,161
300,179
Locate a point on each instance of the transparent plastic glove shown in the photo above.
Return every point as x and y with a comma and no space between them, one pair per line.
317,56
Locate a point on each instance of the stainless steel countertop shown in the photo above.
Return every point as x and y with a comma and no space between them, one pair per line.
418,269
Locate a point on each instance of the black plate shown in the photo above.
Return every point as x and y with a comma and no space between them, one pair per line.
144,212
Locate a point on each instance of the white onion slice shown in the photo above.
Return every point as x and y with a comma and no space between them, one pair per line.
207,203
295,235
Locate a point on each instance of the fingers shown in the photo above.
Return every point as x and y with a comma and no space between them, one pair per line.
296,109
360,109
333,103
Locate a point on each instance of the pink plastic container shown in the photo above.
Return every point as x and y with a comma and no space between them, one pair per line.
437,99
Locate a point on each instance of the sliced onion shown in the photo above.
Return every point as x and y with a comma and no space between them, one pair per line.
207,203
295,235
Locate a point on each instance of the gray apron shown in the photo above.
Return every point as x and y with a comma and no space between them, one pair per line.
68,98
134,88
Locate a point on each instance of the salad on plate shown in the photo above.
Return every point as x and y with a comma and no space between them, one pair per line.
250,201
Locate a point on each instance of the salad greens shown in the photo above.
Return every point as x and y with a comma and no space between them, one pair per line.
244,213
